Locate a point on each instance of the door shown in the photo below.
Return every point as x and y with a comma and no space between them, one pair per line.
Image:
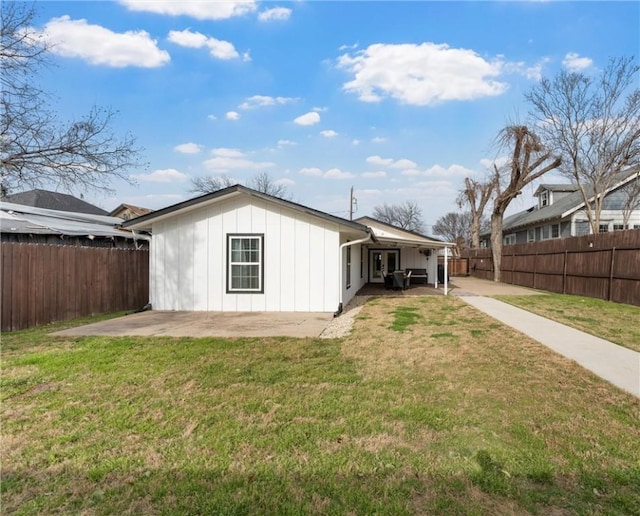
382,262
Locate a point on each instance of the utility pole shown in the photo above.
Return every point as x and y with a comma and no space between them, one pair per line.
352,201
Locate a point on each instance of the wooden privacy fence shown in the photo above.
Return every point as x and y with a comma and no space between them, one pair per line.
605,266
46,283
456,266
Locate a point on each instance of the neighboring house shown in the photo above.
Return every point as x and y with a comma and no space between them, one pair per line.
26,224
54,201
242,250
560,212
128,211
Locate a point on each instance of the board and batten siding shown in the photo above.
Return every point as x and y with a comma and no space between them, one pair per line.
188,261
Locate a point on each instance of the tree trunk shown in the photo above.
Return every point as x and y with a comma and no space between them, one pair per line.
475,233
496,244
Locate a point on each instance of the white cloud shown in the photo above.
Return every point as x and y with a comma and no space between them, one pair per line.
574,63
100,46
275,13
226,159
329,133
187,148
193,8
452,170
285,181
348,47
499,162
225,152
355,141
380,173
286,143
377,160
212,117
309,118
166,175
388,162
403,163
378,139
264,100
422,75
319,109
311,171
232,115
334,173
217,48
410,172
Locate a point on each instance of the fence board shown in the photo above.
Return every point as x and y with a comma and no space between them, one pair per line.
586,265
45,283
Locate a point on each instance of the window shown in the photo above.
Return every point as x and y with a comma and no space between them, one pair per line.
361,263
531,235
604,228
245,259
544,198
348,274
555,231
510,239
619,227
545,232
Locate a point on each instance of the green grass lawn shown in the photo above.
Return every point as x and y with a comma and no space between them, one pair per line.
615,322
428,407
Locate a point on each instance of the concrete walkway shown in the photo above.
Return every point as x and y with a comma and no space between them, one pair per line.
618,365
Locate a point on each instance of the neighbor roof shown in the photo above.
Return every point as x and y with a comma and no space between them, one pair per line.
559,209
145,221
571,187
54,201
135,211
19,218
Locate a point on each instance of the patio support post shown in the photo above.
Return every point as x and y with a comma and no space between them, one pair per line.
446,272
340,264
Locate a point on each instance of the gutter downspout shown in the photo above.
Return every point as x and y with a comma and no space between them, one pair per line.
342,246
446,272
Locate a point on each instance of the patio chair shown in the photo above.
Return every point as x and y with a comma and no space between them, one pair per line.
398,280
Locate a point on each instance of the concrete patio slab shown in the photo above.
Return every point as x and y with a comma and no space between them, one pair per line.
208,324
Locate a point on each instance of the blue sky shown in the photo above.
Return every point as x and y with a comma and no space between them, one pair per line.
400,100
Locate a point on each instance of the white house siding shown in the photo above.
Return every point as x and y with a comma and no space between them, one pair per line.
189,259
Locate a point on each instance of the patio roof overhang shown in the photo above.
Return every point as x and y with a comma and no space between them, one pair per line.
416,243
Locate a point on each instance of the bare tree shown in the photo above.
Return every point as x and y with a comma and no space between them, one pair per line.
593,123
631,198
261,182
209,184
36,148
475,195
264,183
454,227
407,215
529,161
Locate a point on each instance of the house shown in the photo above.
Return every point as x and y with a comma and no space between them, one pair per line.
560,212
242,250
128,211
53,201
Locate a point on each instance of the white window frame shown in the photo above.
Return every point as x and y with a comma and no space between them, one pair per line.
348,271
531,235
510,239
259,237
604,228
545,198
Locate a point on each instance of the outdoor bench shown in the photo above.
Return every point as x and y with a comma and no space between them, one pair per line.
418,275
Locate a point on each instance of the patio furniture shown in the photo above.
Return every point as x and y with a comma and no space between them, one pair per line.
398,280
418,275
388,281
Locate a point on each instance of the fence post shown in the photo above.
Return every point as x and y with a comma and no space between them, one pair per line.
564,273
535,266
613,254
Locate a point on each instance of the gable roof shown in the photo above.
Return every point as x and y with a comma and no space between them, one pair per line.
145,221
54,201
556,187
390,234
136,211
561,208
